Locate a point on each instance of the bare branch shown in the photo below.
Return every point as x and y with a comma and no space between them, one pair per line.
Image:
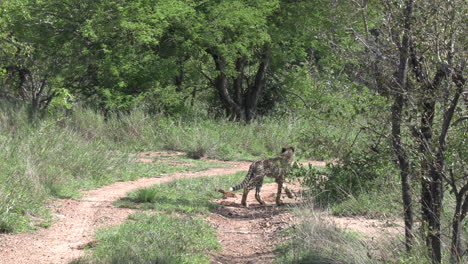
459,120
300,98
207,77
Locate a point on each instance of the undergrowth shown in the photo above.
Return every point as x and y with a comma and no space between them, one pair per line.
44,162
362,184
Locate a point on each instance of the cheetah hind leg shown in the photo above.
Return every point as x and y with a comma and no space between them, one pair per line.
278,195
244,196
257,195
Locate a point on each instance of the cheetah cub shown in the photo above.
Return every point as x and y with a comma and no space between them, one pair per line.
274,168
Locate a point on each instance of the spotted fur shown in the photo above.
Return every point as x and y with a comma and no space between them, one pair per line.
275,168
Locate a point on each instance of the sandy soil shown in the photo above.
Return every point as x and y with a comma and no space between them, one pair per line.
78,219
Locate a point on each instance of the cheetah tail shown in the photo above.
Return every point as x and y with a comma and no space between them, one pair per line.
244,182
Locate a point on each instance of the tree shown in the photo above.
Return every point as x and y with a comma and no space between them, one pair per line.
399,90
117,53
245,47
417,53
41,37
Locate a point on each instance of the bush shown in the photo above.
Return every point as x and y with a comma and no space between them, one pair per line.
358,173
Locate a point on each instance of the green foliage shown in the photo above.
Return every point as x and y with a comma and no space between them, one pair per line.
189,196
355,175
340,122
116,55
62,100
155,239
353,132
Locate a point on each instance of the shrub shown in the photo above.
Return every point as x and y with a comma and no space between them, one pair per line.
356,174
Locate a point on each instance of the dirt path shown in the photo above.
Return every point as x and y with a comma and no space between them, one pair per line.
250,234
78,219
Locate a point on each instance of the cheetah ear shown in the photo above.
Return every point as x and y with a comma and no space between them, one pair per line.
283,150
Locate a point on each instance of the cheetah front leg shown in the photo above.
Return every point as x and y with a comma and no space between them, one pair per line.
278,194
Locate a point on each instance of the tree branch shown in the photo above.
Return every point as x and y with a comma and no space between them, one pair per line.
448,115
459,120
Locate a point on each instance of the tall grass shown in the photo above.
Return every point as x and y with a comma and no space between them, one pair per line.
315,240
216,137
43,160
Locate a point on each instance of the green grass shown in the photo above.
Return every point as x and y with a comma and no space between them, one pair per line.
189,196
155,239
317,241
373,204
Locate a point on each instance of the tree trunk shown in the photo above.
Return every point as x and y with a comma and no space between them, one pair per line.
405,174
239,81
461,208
254,91
234,110
179,78
431,180
425,148
240,103
397,109
434,220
